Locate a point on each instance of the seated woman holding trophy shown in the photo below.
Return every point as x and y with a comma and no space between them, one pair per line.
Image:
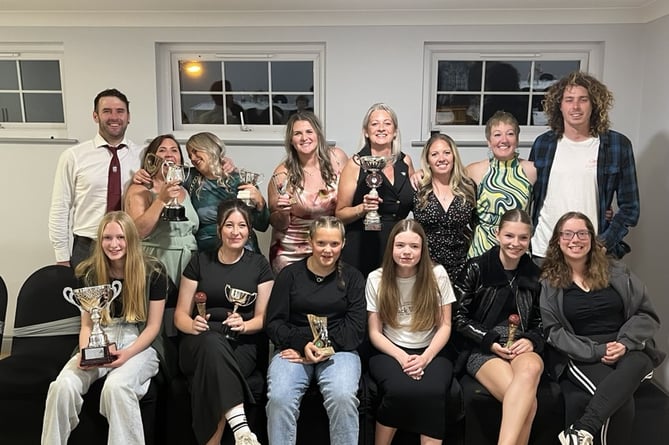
498,317
303,187
121,314
210,185
171,240
316,320
221,310
374,189
409,314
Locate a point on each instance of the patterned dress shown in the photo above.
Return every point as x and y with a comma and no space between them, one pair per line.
448,231
206,195
504,187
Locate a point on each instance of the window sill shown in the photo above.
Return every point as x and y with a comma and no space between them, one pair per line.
41,141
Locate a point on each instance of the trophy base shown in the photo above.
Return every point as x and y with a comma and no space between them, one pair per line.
98,356
373,222
230,334
174,214
326,352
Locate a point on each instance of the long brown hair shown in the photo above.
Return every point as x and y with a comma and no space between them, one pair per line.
94,270
600,98
292,162
461,185
556,269
425,295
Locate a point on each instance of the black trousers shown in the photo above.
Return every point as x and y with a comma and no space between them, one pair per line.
610,411
81,249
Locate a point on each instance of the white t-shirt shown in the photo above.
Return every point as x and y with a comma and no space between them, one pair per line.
402,335
572,186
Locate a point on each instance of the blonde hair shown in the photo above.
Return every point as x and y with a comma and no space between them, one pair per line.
331,222
397,142
210,144
461,185
425,295
94,270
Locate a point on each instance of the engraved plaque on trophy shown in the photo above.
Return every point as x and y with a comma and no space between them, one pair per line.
319,328
94,300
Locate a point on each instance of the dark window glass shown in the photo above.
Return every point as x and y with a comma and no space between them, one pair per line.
41,75
44,107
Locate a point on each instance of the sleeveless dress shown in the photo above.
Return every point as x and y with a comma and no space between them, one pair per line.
364,249
448,232
173,242
291,244
504,187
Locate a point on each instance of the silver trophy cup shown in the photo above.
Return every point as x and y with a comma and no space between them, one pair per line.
248,177
173,210
238,298
373,165
94,300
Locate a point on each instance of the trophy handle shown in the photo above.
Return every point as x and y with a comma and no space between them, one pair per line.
68,294
116,286
227,291
356,159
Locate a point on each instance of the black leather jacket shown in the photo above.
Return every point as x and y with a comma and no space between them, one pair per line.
479,284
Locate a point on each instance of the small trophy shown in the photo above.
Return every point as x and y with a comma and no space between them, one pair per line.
93,300
319,328
238,298
373,165
280,181
174,211
514,321
152,165
201,304
248,177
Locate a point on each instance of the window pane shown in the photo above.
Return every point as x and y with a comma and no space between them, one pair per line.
247,76
549,72
459,76
516,105
193,106
258,111
455,109
41,75
292,76
198,76
44,107
10,110
8,78
505,76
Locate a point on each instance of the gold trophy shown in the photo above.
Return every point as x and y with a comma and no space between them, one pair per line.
93,300
319,328
373,165
248,177
173,210
238,298
514,322
152,164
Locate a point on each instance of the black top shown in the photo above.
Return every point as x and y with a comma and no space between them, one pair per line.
593,313
298,292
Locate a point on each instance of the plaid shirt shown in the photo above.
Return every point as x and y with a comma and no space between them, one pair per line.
616,175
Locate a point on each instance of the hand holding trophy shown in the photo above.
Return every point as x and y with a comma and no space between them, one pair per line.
201,304
514,321
248,177
281,182
238,298
94,300
373,165
319,328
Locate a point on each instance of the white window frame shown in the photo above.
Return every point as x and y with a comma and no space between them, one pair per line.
35,130
169,94
589,53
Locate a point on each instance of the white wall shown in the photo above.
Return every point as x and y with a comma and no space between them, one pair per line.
650,239
363,65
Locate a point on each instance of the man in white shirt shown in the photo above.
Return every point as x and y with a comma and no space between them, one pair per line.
582,165
80,190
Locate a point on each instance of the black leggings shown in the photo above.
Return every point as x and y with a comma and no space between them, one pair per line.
612,389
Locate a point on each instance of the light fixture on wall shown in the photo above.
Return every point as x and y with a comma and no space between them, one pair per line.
193,69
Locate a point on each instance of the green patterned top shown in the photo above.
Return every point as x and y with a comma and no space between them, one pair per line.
504,187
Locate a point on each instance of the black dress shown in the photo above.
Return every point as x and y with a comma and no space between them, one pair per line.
364,249
215,367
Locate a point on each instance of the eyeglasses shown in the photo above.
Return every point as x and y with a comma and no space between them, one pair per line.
568,235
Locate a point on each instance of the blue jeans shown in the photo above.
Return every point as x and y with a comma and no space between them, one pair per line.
338,379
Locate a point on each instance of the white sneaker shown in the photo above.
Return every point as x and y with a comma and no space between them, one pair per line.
570,436
247,438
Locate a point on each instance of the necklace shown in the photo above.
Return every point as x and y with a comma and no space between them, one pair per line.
222,259
513,278
317,276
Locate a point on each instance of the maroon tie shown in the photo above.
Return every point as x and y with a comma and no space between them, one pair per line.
114,180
